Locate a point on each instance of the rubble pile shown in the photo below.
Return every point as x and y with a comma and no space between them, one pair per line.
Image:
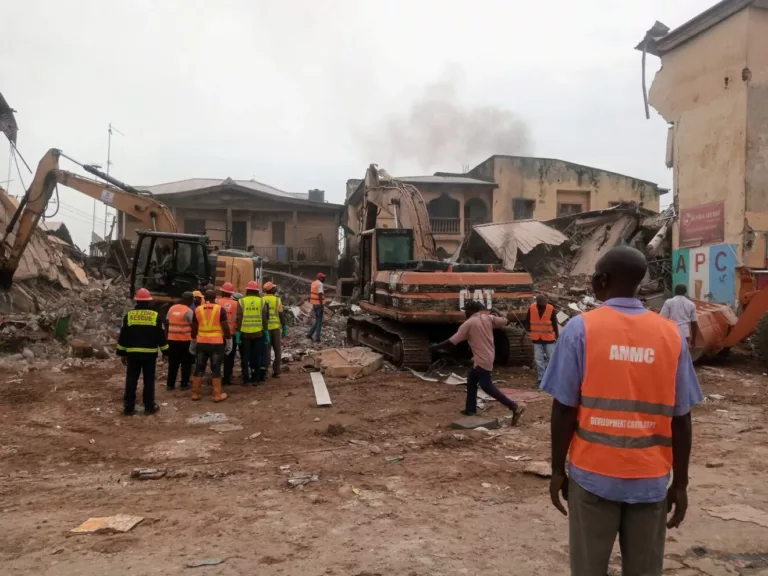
82,323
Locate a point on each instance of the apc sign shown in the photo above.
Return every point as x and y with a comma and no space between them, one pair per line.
709,272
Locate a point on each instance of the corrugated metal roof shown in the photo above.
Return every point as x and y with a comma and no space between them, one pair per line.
527,233
192,184
444,180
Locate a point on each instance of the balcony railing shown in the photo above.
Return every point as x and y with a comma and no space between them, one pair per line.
470,222
294,254
445,225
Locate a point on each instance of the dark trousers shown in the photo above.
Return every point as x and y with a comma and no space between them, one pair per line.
594,523
229,365
317,326
252,363
276,344
140,364
206,352
481,377
179,357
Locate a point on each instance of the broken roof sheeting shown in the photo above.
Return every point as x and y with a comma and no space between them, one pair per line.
505,239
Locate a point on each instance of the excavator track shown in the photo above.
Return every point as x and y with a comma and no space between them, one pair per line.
519,347
402,345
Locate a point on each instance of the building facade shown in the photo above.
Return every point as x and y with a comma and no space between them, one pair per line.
713,90
543,188
296,232
508,188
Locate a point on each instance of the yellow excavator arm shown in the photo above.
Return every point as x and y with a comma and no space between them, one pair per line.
152,213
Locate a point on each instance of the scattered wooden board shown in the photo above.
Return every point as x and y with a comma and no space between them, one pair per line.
321,391
118,523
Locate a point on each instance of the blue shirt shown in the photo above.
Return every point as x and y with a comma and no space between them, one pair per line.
563,379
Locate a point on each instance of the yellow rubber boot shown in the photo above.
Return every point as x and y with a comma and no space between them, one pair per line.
197,386
218,395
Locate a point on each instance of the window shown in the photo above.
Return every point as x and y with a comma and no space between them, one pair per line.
239,235
394,247
523,208
194,226
568,209
190,260
278,233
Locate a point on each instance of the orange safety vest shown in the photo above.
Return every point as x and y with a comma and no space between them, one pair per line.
178,328
209,329
230,305
541,328
628,395
314,297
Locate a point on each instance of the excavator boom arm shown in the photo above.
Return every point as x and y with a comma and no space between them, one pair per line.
154,214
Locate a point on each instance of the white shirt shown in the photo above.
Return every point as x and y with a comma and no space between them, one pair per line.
680,310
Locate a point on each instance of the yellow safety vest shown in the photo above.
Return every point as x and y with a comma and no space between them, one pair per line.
209,324
273,322
251,315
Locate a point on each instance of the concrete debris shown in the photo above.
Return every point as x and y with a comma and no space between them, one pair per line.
204,562
302,479
473,422
148,473
207,418
347,362
79,323
225,427
540,469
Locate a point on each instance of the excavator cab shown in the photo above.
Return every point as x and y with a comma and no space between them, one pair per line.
169,264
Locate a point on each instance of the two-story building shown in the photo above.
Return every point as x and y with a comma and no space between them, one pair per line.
713,90
296,232
507,188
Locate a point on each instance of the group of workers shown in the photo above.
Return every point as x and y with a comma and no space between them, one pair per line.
203,329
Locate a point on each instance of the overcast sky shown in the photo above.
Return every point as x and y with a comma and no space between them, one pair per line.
305,94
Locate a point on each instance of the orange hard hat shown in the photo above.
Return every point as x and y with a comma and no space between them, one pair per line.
228,288
142,295
320,275
252,285
268,286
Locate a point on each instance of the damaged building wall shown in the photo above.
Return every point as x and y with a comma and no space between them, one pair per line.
712,88
544,188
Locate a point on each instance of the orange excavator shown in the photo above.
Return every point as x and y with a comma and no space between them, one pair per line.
410,297
720,328
165,262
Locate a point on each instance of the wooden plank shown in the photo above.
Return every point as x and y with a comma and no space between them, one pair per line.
321,391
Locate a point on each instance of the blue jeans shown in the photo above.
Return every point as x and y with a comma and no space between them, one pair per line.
317,325
542,352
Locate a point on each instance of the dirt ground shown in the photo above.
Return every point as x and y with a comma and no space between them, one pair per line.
457,503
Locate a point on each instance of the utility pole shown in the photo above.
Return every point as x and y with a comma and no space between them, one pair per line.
109,163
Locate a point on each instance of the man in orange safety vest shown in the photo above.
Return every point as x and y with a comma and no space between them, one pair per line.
623,385
178,326
211,340
317,299
542,326
229,304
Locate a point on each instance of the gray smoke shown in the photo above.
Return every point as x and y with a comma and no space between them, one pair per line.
440,132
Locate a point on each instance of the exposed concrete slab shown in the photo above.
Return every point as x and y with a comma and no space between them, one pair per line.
472,422
347,362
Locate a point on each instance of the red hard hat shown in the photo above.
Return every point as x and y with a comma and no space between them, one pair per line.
228,288
142,295
252,285
268,286
320,275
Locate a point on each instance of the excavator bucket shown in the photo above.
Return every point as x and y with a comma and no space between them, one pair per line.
715,322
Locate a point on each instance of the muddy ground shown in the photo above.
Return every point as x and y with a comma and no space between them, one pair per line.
454,504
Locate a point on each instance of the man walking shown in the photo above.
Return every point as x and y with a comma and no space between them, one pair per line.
682,311
212,341
276,326
317,299
179,327
478,331
229,305
141,337
542,326
623,387
252,318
